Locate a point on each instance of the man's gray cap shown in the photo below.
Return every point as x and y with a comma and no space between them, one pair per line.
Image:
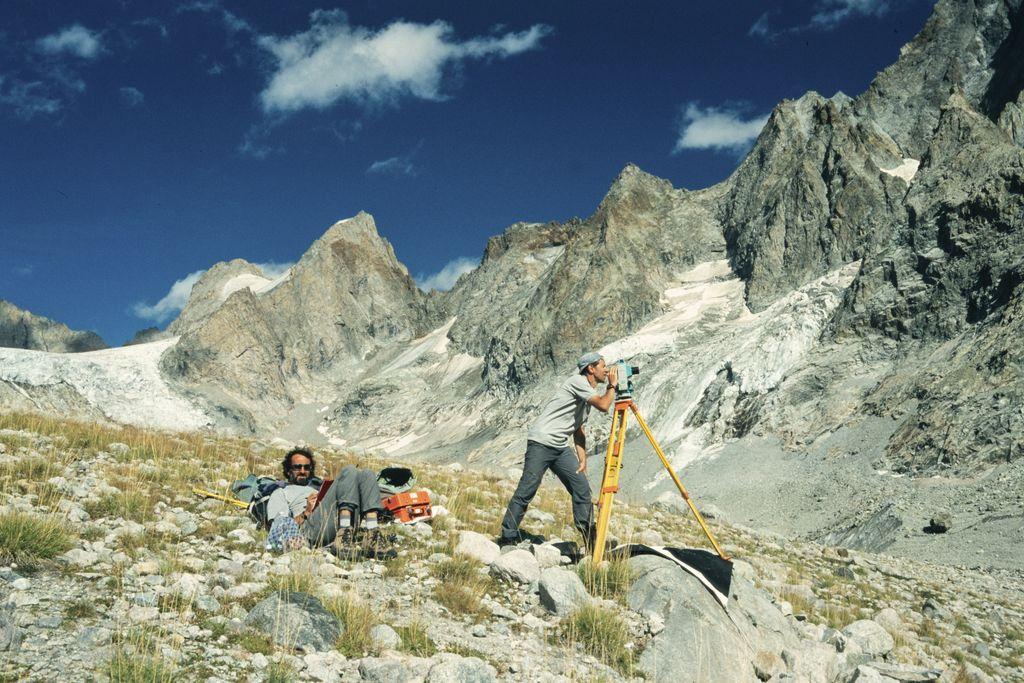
586,359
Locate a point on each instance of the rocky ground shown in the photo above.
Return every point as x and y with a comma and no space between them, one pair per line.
110,569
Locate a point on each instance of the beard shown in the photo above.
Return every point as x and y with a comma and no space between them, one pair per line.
301,479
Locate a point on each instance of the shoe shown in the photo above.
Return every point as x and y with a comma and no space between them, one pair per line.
377,546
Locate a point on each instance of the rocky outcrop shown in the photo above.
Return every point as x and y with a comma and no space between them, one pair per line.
810,197
252,345
20,329
147,335
564,289
974,47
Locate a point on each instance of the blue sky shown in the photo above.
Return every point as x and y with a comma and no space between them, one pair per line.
142,142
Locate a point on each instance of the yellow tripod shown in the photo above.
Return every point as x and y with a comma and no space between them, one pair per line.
610,481
219,496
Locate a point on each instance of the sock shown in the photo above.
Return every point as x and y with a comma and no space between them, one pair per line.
370,522
345,519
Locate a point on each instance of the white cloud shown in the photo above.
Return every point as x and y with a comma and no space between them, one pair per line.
761,28
831,13
445,279
717,128
334,61
75,39
395,166
172,302
231,21
828,14
132,97
28,99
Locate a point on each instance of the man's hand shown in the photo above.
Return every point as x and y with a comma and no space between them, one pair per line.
310,502
613,376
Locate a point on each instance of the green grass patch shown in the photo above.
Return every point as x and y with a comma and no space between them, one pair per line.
29,540
82,608
610,580
279,672
462,586
358,619
415,640
602,633
131,505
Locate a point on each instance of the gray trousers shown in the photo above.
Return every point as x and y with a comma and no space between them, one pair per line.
354,489
564,463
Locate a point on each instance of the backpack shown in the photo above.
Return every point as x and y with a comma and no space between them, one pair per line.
257,491
392,480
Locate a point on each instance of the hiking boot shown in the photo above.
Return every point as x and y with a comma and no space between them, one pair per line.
376,546
344,546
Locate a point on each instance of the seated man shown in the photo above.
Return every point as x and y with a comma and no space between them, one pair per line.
297,520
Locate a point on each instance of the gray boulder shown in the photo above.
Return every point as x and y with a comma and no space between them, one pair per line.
384,637
455,669
518,566
10,634
728,647
870,637
379,670
295,620
478,547
562,591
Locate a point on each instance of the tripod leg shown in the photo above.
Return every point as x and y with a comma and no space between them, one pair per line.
610,480
679,484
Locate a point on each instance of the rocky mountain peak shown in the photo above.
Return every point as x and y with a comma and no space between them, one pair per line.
211,290
21,329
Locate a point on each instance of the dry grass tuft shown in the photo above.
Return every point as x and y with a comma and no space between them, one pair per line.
602,633
358,619
29,540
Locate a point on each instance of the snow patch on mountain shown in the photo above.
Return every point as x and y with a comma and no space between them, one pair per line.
907,170
124,383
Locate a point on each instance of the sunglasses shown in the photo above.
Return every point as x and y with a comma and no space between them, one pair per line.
301,467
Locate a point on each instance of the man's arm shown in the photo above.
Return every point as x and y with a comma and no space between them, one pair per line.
580,441
605,401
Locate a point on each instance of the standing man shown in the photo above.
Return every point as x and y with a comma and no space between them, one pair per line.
556,441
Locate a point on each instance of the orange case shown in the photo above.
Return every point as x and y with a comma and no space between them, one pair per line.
408,506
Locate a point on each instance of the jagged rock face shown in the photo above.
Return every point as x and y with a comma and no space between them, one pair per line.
564,289
971,46
268,341
20,329
212,290
953,279
346,295
810,197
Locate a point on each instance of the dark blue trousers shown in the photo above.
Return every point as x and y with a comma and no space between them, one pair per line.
564,463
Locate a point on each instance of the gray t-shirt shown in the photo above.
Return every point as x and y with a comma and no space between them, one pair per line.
290,501
564,413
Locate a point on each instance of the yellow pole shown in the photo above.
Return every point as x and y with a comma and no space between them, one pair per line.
610,480
218,496
679,484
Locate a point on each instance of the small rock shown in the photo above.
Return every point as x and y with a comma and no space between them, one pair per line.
650,537
259,661
870,637
478,547
981,649
479,631
518,566
118,448
889,619
93,637
384,637
844,572
547,555
379,670
561,591
295,620
80,558
933,610
21,584
455,669
241,537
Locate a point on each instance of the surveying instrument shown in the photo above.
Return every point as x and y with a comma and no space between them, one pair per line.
613,462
